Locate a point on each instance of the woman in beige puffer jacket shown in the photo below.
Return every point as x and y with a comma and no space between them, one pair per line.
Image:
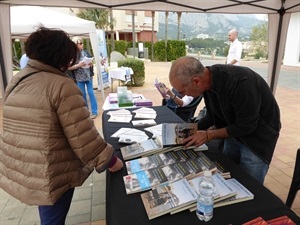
49,143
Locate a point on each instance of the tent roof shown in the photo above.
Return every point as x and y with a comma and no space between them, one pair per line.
209,6
25,19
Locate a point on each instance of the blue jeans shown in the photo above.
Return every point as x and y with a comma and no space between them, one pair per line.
90,90
243,156
56,214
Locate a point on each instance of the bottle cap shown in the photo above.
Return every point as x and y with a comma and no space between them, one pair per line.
207,173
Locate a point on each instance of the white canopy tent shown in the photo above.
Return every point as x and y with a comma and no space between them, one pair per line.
25,19
278,14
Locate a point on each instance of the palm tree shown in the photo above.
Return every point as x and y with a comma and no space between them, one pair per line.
103,20
99,16
178,22
152,36
112,22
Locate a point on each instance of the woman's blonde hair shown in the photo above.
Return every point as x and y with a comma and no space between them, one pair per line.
76,39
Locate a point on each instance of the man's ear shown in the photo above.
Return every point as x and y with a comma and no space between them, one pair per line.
196,80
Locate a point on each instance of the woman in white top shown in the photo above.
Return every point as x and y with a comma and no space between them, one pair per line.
175,100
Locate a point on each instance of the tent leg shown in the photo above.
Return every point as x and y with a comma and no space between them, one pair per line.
272,84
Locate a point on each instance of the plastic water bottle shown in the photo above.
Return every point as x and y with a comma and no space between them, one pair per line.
205,201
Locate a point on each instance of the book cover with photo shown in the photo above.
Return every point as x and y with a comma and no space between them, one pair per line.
144,180
166,198
242,194
160,160
174,133
152,161
222,191
161,87
138,149
182,168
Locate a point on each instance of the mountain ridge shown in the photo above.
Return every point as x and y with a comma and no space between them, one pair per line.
216,26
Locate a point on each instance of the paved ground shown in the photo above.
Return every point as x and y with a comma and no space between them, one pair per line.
88,205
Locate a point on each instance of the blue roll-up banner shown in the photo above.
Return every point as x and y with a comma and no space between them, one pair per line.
103,56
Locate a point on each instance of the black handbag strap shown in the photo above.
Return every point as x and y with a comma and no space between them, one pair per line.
23,78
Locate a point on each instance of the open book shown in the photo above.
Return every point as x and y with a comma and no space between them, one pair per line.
161,87
174,133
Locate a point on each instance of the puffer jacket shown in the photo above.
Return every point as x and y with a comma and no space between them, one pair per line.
48,144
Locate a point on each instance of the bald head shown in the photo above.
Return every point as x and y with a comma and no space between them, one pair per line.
232,35
184,68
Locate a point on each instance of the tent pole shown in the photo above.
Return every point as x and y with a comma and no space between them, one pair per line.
133,33
281,12
3,71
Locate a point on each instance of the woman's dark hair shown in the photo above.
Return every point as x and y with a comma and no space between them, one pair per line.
52,47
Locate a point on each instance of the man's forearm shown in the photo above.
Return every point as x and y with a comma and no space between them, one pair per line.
216,134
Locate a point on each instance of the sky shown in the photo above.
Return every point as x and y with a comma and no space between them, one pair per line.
261,16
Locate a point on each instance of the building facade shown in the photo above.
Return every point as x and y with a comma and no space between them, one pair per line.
292,46
142,25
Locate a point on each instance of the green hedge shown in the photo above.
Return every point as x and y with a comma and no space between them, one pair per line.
121,46
175,49
138,67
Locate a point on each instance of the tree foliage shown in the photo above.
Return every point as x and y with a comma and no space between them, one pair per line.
99,16
259,38
208,46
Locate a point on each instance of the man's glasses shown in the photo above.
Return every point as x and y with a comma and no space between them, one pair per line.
80,43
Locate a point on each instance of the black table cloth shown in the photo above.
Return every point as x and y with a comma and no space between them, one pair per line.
128,209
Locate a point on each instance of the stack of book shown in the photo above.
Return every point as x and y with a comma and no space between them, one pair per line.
168,175
142,102
113,98
170,138
242,194
222,170
149,172
141,148
182,195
